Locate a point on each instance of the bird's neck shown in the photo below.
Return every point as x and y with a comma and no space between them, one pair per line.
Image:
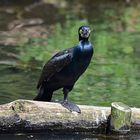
83,39
84,45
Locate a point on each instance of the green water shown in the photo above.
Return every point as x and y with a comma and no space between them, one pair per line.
100,89
100,85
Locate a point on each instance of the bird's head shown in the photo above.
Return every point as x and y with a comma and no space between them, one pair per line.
84,32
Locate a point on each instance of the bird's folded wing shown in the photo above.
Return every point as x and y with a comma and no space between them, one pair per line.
55,64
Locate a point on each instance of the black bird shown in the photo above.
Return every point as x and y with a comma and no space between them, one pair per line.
64,69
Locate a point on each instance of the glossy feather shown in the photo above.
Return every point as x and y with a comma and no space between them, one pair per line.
65,68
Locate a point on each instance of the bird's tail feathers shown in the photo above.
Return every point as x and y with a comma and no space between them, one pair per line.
44,94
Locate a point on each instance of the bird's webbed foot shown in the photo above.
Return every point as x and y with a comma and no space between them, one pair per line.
71,107
68,105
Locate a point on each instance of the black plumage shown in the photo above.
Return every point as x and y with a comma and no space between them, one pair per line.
64,69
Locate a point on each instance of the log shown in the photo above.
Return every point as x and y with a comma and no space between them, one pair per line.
120,117
23,116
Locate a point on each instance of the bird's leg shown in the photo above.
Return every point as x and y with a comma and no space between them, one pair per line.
70,106
65,92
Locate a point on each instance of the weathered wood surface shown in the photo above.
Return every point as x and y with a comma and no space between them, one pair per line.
33,116
120,117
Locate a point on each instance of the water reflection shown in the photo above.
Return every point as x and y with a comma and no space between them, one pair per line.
102,89
14,82
45,136
113,74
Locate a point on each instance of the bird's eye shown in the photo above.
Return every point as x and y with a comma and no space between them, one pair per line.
89,31
81,31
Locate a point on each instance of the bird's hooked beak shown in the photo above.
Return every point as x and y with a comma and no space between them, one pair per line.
85,33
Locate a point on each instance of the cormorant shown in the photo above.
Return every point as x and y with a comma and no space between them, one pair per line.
64,69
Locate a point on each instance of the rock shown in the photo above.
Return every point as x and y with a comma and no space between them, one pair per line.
21,35
25,23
